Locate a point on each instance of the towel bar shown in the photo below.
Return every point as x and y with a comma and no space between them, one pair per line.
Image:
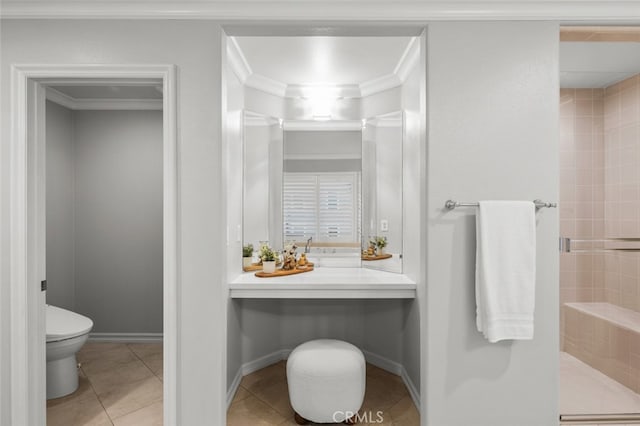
451,204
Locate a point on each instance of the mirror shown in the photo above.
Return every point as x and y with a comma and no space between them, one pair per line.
382,151
262,181
322,195
331,191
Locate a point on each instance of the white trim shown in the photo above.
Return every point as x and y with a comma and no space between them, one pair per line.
314,125
126,337
233,387
397,369
274,357
26,174
266,84
237,61
594,12
408,60
102,104
345,91
379,84
325,156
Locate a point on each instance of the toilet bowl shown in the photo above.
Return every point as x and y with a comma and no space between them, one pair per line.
66,333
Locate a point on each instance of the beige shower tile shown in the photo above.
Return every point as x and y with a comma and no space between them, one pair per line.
150,415
129,397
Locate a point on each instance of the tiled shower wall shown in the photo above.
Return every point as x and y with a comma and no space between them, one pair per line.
581,193
600,195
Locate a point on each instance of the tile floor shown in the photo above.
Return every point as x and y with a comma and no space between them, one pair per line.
262,399
585,390
120,385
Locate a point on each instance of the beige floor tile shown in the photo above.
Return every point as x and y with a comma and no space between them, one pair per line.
82,408
156,365
275,393
383,390
119,375
241,394
252,412
129,397
84,391
150,415
272,373
96,361
405,412
144,350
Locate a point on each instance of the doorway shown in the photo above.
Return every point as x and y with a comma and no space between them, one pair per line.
28,226
599,224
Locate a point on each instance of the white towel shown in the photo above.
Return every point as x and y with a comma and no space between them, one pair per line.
505,269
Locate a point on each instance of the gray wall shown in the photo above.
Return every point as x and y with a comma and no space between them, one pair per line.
195,48
60,206
493,130
104,217
118,220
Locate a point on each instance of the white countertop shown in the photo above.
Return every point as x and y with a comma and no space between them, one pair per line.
326,283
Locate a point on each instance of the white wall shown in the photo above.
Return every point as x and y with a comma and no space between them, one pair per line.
202,301
232,147
60,206
493,130
118,219
257,184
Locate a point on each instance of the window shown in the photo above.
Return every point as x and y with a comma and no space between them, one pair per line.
325,206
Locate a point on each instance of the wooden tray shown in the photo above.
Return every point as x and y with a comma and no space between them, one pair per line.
282,272
378,257
258,267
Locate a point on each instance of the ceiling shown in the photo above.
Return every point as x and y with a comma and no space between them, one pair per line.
331,61
597,64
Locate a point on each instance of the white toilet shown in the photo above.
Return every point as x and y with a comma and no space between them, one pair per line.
66,333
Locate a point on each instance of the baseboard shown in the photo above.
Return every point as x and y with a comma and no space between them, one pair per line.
264,361
252,366
126,337
397,369
374,359
233,388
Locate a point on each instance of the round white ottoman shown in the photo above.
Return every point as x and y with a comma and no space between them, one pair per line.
326,381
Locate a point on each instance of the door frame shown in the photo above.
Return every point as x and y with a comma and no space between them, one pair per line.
28,232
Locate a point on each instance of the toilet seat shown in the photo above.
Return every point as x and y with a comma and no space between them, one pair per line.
63,324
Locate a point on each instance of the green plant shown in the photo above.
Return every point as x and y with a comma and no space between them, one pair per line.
267,254
247,251
381,242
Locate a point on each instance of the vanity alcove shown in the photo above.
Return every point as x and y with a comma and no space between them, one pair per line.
330,183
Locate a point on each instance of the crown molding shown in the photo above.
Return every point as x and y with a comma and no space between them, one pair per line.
102,104
237,61
341,90
408,60
312,125
586,11
266,84
379,84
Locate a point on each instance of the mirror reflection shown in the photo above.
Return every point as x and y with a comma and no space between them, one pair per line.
337,194
262,176
382,192
322,195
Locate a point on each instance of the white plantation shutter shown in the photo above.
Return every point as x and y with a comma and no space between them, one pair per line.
324,206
